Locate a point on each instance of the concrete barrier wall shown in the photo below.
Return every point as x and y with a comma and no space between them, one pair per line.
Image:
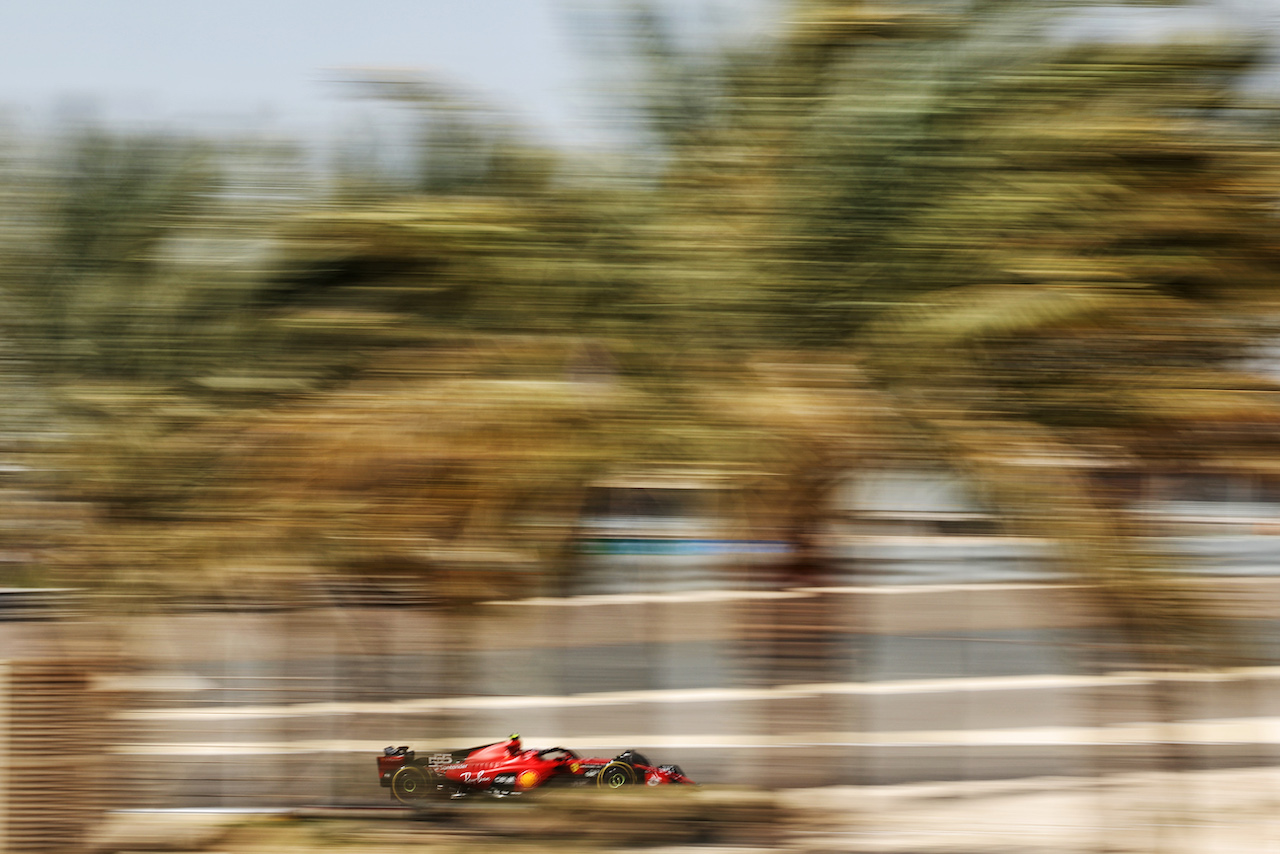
914,683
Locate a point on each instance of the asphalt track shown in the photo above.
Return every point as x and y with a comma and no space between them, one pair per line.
949,683
1066,725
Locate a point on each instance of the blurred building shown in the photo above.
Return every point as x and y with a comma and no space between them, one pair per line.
664,534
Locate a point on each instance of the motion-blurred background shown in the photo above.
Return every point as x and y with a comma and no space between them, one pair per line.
828,394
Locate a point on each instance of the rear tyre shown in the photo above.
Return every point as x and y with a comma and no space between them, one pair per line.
412,785
615,775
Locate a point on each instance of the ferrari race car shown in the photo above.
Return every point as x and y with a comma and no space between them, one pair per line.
506,768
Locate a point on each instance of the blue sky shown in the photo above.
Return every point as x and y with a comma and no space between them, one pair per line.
274,63
259,61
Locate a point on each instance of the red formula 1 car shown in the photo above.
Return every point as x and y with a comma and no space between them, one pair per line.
506,768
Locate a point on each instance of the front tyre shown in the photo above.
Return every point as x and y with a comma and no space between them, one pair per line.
412,784
615,775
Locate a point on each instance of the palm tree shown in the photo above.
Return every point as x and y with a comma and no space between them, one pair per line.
1033,249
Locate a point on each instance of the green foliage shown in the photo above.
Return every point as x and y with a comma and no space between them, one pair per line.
1035,248
104,299
881,231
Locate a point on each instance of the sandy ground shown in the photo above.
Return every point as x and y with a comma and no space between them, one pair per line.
1230,811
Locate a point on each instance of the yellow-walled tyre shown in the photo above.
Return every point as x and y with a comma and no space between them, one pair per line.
615,775
412,784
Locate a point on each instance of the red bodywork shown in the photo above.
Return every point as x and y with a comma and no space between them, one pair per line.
506,768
